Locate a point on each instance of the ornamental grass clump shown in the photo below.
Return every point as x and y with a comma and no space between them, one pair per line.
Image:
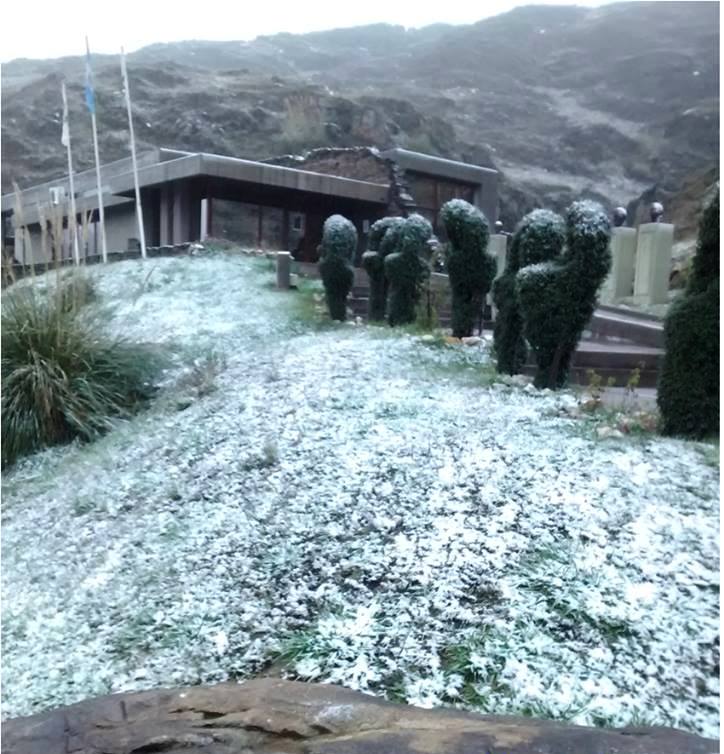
373,261
62,376
558,297
470,268
688,390
539,237
339,242
406,268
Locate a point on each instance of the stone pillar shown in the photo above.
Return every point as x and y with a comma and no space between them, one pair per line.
498,248
181,214
165,212
284,264
653,263
203,235
620,281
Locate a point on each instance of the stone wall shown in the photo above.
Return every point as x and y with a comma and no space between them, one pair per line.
361,163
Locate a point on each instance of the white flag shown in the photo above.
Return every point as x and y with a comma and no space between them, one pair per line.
65,135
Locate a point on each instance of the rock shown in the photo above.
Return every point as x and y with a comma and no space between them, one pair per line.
427,338
289,717
452,341
473,340
605,433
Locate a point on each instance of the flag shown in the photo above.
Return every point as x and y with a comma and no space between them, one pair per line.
90,97
65,135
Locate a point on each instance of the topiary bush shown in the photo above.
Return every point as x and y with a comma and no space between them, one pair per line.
470,268
339,242
688,390
539,237
406,267
373,261
62,377
558,297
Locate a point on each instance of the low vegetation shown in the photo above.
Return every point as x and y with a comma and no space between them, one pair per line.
62,376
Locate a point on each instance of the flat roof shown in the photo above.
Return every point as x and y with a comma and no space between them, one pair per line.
160,166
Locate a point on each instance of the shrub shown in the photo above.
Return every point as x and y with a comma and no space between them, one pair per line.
406,267
61,376
539,237
339,242
688,390
77,290
373,260
471,270
558,297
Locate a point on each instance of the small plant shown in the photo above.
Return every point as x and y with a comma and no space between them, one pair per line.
406,268
62,376
201,377
339,242
558,297
268,457
688,390
539,237
470,268
77,289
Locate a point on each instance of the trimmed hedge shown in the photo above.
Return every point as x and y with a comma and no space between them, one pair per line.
339,242
558,297
470,268
373,261
688,390
539,237
406,267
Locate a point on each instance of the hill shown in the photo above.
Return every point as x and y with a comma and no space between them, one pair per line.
565,101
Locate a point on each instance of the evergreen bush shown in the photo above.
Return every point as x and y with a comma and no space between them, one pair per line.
470,268
406,267
373,261
339,242
539,237
558,297
688,390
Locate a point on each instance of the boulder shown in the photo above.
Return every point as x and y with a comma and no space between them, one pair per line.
288,717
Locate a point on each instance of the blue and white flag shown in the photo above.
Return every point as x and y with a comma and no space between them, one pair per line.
90,97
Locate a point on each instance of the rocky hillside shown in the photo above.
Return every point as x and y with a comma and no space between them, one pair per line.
565,101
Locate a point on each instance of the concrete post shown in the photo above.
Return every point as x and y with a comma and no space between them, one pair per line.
203,235
181,215
165,216
653,263
284,264
498,248
619,283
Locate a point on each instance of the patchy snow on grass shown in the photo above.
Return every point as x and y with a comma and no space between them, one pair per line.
359,507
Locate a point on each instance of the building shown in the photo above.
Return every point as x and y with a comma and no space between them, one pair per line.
280,203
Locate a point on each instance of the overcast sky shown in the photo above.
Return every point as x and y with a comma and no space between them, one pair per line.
49,29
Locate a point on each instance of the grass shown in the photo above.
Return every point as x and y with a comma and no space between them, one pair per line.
62,376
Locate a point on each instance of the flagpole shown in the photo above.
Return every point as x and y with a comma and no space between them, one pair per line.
139,210
65,139
90,101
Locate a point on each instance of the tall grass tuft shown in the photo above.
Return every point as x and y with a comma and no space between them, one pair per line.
63,377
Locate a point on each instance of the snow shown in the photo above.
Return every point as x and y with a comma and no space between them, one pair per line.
407,509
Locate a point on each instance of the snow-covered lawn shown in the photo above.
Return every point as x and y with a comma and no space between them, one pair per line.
363,508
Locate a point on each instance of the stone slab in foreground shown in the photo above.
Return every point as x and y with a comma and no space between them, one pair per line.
288,717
